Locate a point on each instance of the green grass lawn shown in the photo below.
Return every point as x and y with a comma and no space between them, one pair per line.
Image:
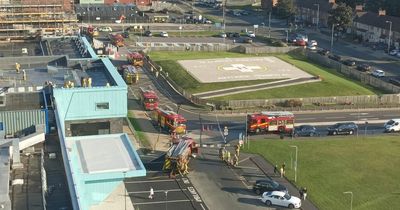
369,167
168,61
333,84
139,133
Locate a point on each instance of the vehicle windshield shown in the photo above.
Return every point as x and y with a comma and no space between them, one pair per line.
287,196
274,184
391,122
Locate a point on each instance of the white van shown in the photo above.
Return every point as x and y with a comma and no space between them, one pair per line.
392,125
378,73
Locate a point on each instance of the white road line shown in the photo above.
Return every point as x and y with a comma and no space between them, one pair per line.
166,180
331,123
334,117
243,160
155,202
147,191
310,118
361,113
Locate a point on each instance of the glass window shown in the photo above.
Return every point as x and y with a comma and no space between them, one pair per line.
272,123
102,106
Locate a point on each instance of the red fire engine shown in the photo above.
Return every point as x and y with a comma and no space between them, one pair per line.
168,120
178,155
135,58
148,98
270,122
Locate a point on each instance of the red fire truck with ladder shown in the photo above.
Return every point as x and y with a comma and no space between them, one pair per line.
270,122
135,58
168,120
148,98
178,156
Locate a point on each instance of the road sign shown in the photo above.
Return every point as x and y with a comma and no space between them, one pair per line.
226,131
255,26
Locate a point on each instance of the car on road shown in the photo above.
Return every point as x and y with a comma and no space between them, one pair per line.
312,43
163,34
148,33
280,199
378,73
364,67
265,185
335,57
250,34
393,52
349,62
392,125
247,40
395,81
305,130
105,29
343,128
311,47
323,52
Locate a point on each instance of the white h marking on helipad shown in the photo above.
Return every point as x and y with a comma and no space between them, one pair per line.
241,68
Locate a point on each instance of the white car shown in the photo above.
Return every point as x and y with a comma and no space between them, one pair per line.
251,34
280,199
393,52
164,34
222,35
378,73
392,125
313,43
106,29
312,47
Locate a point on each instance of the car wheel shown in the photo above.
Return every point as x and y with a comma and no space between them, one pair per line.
334,133
312,134
296,135
291,206
351,132
258,192
268,203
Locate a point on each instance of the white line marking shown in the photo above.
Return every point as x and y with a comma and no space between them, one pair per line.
147,191
310,118
361,113
173,201
166,180
243,160
335,117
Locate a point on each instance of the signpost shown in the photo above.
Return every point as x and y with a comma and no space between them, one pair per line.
226,132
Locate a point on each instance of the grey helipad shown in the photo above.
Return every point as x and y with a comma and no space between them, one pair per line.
238,69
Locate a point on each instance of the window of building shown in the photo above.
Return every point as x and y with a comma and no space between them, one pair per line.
102,106
2,99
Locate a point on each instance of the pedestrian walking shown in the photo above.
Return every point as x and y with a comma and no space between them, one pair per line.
228,157
301,193
304,193
276,171
237,149
235,160
221,153
284,166
282,172
151,196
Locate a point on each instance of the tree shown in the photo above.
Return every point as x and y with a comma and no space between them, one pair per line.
351,3
341,16
285,9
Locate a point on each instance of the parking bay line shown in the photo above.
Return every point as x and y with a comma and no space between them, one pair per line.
165,180
158,202
147,191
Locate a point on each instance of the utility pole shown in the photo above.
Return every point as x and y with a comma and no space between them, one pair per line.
317,15
269,24
223,14
390,33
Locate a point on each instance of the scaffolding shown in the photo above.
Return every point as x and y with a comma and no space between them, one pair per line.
28,19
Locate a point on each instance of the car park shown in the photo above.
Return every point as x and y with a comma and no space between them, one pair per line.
335,57
305,130
364,67
268,185
164,34
349,62
378,73
148,33
250,34
280,199
343,128
392,125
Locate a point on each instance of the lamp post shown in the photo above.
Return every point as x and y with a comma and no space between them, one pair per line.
351,199
333,29
317,14
269,24
390,33
287,35
295,163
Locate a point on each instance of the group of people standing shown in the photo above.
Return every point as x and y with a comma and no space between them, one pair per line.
281,170
225,155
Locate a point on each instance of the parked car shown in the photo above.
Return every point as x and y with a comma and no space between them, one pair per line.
300,42
222,35
236,34
311,47
378,73
364,67
265,185
343,128
392,125
247,40
148,33
349,62
164,34
395,81
105,29
393,52
323,52
335,57
280,199
250,34
305,130
312,43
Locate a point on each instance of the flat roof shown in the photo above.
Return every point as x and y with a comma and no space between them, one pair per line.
4,176
104,154
65,46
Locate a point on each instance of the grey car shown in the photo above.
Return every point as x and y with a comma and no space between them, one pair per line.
306,130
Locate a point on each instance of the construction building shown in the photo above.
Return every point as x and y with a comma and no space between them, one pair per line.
28,19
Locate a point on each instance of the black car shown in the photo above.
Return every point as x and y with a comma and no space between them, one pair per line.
343,128
267,185
148,33
236,34
305,130
335,57
323,52
364,67
349,62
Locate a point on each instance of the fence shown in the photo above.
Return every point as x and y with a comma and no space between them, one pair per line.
43,178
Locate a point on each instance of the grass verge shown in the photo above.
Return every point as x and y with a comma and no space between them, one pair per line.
139,133
330,166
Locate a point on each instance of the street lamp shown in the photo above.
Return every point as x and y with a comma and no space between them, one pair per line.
390,33
317,14
351,201
287,35
166,196
333,28
295,164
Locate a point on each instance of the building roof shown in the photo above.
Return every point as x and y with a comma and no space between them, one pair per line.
373,19
5,177
324,5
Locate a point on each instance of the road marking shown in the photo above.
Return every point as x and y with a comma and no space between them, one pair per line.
147,191
333,122
156,202
335,117
166,180
362,113
310,118
240,161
